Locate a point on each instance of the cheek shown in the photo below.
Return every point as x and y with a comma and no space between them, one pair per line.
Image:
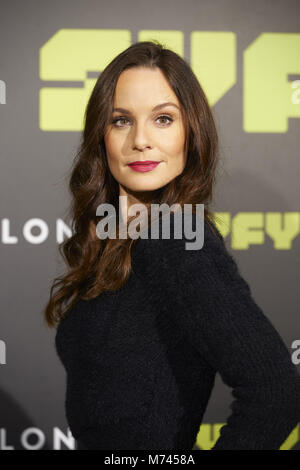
175,148
175,141
112,147
175,153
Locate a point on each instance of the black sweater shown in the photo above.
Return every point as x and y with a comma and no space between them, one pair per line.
141,362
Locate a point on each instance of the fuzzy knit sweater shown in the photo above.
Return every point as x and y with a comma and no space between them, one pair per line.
141,362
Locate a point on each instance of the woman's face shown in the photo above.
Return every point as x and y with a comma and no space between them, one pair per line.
144,129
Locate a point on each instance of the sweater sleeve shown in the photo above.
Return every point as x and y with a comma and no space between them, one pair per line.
213,304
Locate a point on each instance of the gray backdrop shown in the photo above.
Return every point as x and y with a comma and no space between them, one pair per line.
249,72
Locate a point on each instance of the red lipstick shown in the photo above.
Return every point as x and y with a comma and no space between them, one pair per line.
147,165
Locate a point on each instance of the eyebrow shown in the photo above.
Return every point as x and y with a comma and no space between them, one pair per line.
159,106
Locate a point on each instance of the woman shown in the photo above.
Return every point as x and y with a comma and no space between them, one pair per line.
144,324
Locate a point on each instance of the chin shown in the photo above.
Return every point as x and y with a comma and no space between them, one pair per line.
146,187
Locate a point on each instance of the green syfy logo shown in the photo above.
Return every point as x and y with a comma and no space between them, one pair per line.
209,433
269,98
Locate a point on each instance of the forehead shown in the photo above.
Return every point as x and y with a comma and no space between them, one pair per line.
143,88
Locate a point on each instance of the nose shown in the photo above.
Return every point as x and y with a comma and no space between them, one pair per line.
142,147
141,140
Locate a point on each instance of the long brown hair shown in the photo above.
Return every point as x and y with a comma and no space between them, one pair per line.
91,182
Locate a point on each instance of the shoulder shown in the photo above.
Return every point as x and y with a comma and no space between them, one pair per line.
188,242
206,262
210,269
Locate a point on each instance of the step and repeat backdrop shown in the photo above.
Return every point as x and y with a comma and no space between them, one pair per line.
246,56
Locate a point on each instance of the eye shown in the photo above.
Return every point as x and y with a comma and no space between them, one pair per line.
123,118
120,118
164,116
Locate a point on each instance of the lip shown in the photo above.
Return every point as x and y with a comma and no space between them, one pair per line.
143,166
